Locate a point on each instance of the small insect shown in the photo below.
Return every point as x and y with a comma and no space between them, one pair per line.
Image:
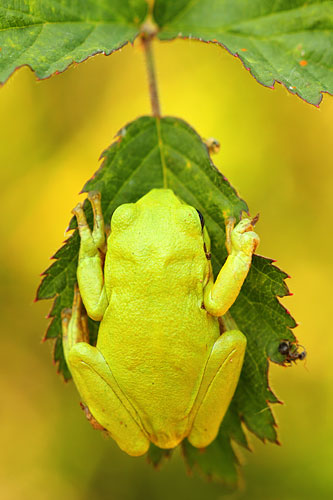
291,352
212,145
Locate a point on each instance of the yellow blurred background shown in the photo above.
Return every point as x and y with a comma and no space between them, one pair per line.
275,149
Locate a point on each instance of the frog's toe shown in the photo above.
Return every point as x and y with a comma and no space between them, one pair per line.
243,226
255,219
94,195
78,209
66,314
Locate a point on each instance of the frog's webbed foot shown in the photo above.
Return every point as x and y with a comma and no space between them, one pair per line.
217,387
229,226
97,236
241,238
98,233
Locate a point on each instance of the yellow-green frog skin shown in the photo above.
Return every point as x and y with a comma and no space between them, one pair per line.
161,370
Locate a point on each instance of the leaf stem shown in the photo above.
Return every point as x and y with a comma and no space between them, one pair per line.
148,32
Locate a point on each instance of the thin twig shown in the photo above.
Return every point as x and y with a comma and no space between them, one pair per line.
147,35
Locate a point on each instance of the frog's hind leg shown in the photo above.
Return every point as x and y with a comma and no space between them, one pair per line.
105,401
97,386
217,387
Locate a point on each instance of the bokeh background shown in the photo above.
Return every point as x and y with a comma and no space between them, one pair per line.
275,149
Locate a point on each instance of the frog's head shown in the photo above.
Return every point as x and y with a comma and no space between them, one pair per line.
160,223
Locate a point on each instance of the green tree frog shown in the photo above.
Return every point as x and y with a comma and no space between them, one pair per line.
161,370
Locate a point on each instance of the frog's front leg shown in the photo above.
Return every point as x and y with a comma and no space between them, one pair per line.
217,387
241,242
98,387
90,268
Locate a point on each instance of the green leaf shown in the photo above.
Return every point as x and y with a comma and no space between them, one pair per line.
156,455
49,35
217,462
288,41
150,153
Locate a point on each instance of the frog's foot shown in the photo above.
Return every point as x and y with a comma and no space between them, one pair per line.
98,233
106,402
242,238
92,420
91,258
96,238
217,387
74,324
229,226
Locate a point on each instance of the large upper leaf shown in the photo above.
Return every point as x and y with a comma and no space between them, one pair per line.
48,35
289,41
152,152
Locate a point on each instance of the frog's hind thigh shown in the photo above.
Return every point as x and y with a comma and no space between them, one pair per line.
102,395
217,387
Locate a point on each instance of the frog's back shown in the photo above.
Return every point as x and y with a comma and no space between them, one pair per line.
155,335
160,343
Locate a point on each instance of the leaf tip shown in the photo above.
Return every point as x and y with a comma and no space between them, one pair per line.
44,339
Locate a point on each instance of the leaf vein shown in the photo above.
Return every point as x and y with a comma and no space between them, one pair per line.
127,180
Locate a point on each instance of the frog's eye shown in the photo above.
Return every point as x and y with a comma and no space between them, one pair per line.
202,220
